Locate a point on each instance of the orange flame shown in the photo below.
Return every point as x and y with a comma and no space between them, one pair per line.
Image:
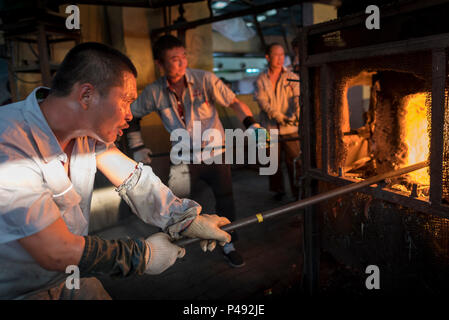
417,136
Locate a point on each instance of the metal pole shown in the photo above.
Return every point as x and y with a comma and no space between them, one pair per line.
261,217
166,154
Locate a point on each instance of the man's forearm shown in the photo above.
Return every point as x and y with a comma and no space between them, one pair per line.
115,165
241,109
55,247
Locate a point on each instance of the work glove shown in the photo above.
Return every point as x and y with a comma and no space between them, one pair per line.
280,118
207,227
293,121
259,134
142,154
162,253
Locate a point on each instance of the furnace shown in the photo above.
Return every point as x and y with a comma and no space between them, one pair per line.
400,224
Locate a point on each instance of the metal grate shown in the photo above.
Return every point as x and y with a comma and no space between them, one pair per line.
445,173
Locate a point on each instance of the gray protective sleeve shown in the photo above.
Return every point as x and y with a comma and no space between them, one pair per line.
155,203
117,258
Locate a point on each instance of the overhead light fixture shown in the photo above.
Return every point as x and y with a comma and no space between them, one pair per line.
261,18
252,70
219,5
271,12
249,24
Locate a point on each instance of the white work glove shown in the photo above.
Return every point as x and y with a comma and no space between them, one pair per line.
207,227
142,155
162,253
259,134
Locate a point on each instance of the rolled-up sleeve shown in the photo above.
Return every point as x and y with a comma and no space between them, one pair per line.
219,91
26,205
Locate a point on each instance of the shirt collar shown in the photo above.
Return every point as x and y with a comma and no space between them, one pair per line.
189,76
44,137
284,70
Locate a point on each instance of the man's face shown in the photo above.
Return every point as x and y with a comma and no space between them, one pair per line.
276,57
174,62
114,110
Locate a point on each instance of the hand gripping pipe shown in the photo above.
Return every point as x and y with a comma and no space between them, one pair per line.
260,217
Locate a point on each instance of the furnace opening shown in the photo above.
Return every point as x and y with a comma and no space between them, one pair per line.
395,110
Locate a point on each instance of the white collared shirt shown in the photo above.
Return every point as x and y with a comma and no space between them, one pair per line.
284,98
203,90
35,191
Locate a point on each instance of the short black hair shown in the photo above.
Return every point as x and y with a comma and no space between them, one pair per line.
94,63
164,43
269,47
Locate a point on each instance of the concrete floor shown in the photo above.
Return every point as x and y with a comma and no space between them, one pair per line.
272,252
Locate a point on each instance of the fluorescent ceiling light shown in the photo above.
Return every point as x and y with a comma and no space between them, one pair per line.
271,12
252,70
261,18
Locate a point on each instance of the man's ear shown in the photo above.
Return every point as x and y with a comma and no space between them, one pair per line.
86,95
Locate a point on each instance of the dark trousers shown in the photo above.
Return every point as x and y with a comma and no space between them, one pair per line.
218,178
288,151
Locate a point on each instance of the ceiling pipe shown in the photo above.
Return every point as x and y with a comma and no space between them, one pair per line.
240,13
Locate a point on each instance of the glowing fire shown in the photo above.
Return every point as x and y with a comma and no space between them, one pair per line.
417,136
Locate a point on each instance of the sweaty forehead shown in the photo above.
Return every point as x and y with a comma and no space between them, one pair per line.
129,86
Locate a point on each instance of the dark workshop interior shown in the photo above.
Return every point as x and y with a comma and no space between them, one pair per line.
372,102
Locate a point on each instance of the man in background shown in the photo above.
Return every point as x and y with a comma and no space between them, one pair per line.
277,94
184,96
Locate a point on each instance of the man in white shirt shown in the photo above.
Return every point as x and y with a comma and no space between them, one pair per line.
277,93
50,147
183,97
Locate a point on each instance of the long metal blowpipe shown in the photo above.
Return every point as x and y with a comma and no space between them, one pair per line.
261,217
167,154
